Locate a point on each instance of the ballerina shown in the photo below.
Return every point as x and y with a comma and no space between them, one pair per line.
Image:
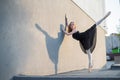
87,39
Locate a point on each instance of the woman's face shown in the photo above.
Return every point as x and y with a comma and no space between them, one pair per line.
72,25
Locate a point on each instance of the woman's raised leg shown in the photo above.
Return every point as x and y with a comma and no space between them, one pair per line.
98,22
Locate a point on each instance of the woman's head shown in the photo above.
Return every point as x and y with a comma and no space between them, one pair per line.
71,26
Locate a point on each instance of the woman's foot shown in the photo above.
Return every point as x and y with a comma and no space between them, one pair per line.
90,67
107,14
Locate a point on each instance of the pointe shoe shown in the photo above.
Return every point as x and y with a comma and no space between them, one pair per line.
108,14
90,68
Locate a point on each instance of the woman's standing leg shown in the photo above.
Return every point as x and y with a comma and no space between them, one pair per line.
98,22
89,60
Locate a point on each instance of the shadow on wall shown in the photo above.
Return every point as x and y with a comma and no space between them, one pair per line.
53,45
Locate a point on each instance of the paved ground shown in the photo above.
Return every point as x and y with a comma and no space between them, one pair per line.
77,75
102,74
93,74
105,72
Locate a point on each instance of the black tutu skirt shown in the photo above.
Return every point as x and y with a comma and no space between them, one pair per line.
87,39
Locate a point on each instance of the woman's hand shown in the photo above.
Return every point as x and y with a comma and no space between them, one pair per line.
63,29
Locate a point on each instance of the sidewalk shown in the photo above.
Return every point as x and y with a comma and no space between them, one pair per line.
77,75
93,74
103,74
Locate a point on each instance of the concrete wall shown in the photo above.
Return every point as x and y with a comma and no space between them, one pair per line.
31,42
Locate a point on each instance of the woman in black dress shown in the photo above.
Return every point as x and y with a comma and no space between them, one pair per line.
87,39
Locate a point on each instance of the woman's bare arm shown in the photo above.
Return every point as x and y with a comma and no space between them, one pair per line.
66,21
73,31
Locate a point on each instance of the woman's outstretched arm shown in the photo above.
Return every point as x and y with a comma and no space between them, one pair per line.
70,33
98,22
66,21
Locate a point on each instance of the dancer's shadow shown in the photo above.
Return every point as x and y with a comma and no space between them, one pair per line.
53,44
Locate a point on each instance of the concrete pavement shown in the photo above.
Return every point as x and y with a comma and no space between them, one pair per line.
101,74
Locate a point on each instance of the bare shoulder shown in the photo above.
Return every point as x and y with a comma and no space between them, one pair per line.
74,31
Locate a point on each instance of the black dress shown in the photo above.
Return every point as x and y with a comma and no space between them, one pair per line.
87,39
